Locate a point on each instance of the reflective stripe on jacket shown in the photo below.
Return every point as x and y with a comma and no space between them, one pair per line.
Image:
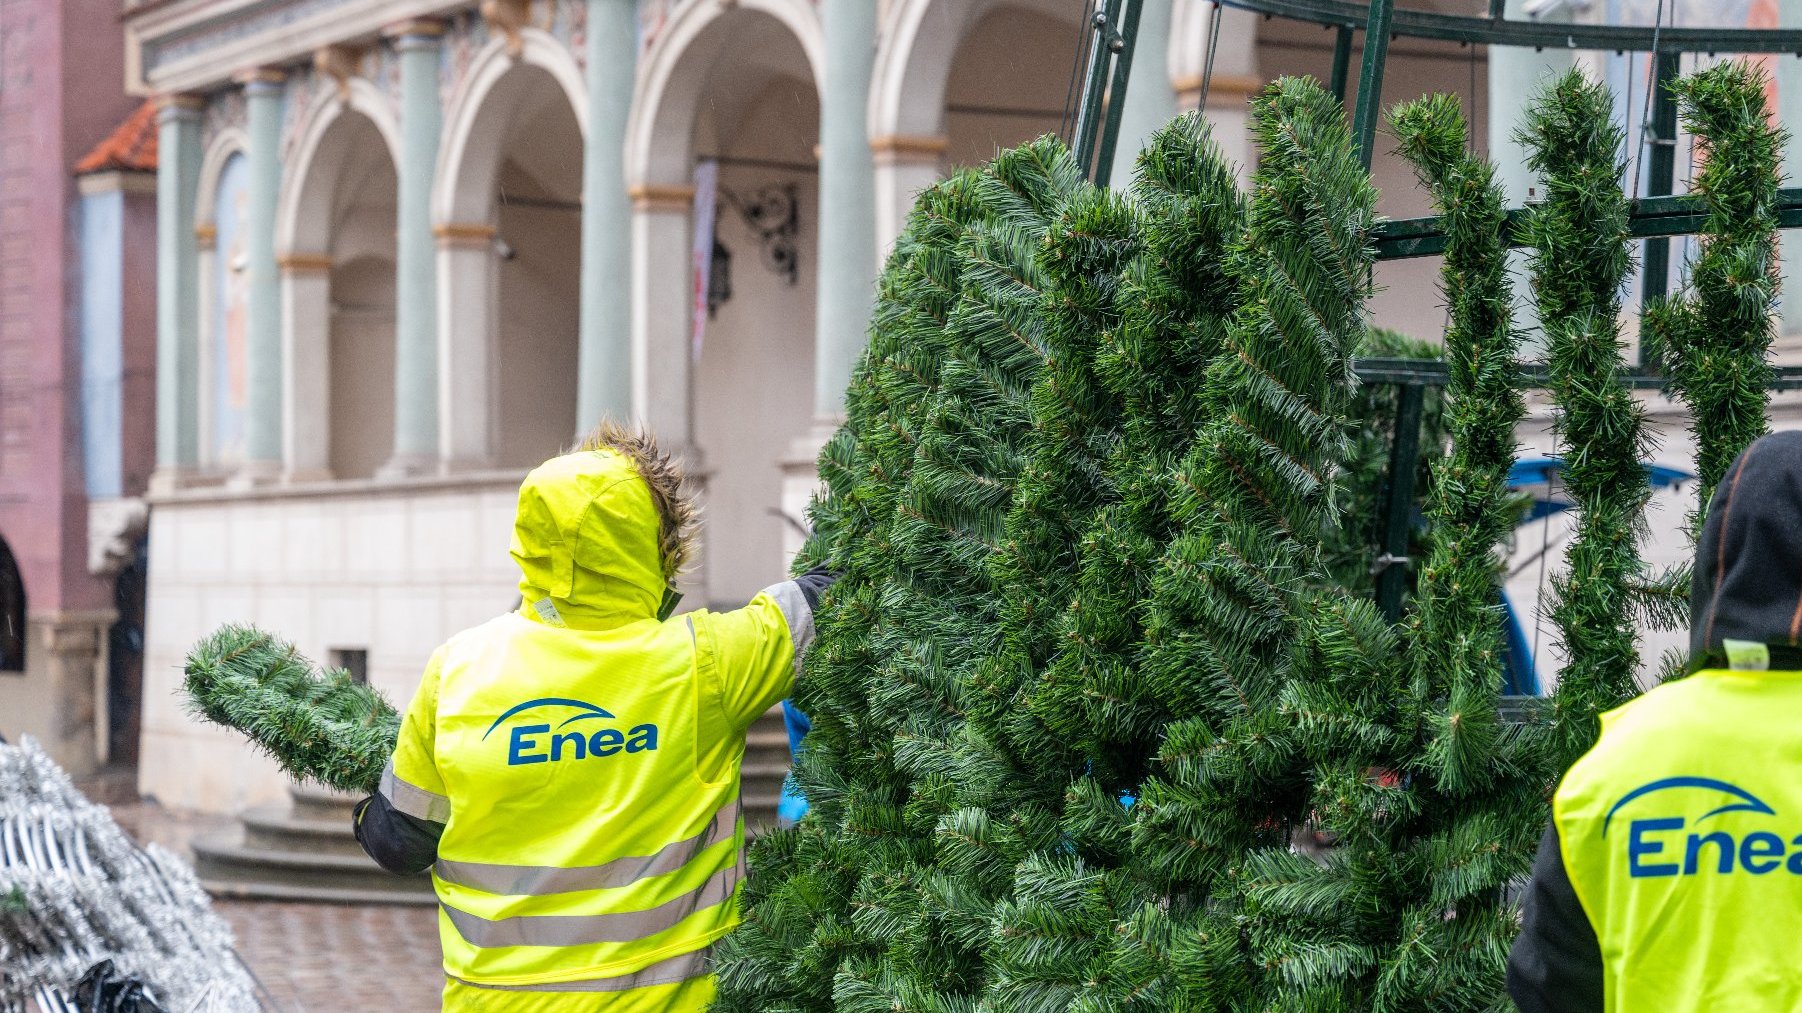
582,757
1681,839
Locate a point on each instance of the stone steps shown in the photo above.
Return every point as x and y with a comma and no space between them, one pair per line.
307,850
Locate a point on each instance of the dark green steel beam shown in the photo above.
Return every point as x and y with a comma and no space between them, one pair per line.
1661,165
1431,373
1504,32
1122,47
1370,79
1651,216
1095,84
1398,503
1342,41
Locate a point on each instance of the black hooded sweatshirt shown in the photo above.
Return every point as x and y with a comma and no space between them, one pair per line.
1747,586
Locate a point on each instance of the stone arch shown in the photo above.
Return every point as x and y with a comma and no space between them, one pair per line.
463,189
228,142
295,231
923,42
338,208
672,76
214,422
738,84
509,269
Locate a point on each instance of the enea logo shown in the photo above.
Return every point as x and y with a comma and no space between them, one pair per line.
525,746
1653,844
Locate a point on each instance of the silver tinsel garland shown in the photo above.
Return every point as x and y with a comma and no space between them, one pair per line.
75,890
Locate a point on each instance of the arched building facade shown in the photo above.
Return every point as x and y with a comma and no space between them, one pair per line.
411,247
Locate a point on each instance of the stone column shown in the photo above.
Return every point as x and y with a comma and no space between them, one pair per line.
1515,76
1150,98
263,424
177,291
466,319
415,268
904,166
1235,78
847,270
604,361
74,645
660,306
306,366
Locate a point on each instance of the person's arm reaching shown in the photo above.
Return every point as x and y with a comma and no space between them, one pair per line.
1556,964
400,824
758,649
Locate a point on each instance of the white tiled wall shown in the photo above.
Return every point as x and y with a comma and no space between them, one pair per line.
392,569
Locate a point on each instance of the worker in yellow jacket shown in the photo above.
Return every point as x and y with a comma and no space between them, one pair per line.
570,771
1671,877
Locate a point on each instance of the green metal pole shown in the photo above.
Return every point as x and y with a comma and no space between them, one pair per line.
1370,78
1662,177
1122,47
1342,40
1092,88
1398,507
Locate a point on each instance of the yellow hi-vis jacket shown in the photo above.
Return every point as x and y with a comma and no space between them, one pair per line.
1681,834
583,760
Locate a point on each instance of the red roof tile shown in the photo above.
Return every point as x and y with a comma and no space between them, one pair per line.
131,147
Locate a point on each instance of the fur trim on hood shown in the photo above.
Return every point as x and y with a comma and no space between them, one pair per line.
663,474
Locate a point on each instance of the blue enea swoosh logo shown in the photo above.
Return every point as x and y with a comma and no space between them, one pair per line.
1748,802
588,710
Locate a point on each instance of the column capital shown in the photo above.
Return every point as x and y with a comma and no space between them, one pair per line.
661,196
176,106
206,236
463,234
303,263
260,79
909,149
414,33
1232,87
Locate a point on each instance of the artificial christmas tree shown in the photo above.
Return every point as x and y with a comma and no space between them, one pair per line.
1713,340
1413,774
888,686
1580,259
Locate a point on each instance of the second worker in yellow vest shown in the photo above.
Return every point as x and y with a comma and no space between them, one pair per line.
570,771
1671,877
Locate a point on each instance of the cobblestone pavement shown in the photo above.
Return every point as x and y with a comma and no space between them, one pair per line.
312,958
329,957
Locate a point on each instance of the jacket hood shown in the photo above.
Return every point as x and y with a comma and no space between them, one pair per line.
587,537
1747,583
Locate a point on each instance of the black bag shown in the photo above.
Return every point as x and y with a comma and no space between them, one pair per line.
104,990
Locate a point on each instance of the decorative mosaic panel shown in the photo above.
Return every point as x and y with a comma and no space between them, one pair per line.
463,39
382,66
224,110
299,92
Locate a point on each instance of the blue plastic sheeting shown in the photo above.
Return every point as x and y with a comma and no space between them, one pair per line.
1521,677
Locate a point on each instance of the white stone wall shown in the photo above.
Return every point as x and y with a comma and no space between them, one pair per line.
394,568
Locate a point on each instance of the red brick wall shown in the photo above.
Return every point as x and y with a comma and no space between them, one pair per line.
61,92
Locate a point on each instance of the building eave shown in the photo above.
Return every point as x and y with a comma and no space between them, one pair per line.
195,46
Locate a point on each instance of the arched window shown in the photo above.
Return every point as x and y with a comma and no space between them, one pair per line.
12,613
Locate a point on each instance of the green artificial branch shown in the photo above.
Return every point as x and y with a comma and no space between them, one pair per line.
1252,498
1175,302
1713,340
1580,260
322,727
